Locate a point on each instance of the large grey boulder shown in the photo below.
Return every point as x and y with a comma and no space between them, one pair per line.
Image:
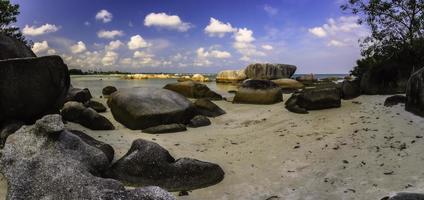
82,95
140,108
208,108
258,92
147,163
192,89
32,87
350,89
405,196
314,99
45,161
415,93
231,76
76,112
13,48
269,71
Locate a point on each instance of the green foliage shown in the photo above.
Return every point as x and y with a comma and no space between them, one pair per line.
8,13
397,33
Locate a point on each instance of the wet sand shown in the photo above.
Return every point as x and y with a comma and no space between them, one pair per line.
362,150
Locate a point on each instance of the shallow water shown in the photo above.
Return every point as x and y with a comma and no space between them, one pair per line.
97,82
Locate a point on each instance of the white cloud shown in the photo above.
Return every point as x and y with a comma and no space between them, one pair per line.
109,34
270,10
218,28
267,47
104,16
201,53
166,21
113,45
79,47
40,47
110,58
336,43
244,35
318,31
35,31
137,42
87,23
51,52
244,44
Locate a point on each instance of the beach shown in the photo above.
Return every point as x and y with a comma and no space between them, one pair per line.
362,150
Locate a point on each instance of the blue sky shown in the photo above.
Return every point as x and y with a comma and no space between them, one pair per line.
193,35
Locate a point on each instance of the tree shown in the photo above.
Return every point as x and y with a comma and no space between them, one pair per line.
8,13
397,30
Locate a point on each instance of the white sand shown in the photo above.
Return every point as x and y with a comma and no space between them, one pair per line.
256,147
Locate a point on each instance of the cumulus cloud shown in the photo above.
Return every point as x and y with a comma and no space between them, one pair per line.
113,45
218,28
137,42
244,35
267,47
340,32
270,10
104,16
79,47
35,31
201,53
244,44
40,47
110,58
109,34
164,20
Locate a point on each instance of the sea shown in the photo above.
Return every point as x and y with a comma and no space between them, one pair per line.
97,82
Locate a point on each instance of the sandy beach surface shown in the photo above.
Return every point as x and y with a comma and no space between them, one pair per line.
362,150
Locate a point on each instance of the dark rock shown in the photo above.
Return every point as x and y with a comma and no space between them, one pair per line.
45,161
105,148
147,163
231,76
165,128
192,89
199,121
415,93
78,95
319,98
8,128
394,100
141,108
97,106
12,48
32,87
405,196
390,79
208,108
76,112
268,71
258,92
291,105
108,90
350,89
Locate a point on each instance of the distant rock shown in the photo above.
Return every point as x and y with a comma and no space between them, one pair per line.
97,106
390,79
141,108
13,48
199,78
288,84
165,128
350,89
208,108
199,121
231,76
192,89
268,71
78,95
32,87
394,100
258,92
60,165
308,78
314,99
405,196
147,163
415,93
108,90
76,112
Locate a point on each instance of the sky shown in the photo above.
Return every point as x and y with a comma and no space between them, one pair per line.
198,36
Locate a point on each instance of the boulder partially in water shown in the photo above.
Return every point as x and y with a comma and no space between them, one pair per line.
60,165
13,48
258,92
147,163
231,76
192,89
269,71
141,108
32,87
108,90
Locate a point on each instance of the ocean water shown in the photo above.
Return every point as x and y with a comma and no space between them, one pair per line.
97,82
